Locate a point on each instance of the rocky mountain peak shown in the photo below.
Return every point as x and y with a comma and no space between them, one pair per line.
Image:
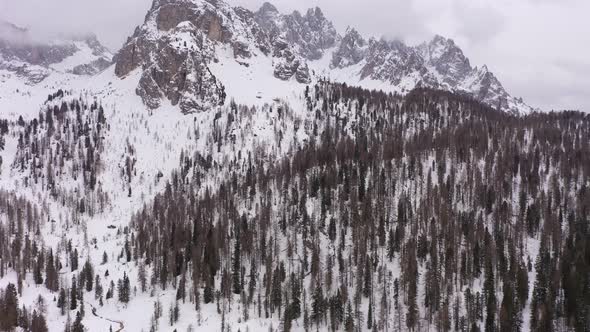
291,41
439,63
310,34
350,51
447,59
267,8
315,14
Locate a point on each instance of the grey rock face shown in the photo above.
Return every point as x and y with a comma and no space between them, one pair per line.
350,51
172,69
175,45
92,68
296,39
439,64
447,59
302,74
311,35
394,61
173,49
288,64
292,41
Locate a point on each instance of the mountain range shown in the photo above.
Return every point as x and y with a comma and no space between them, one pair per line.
181,42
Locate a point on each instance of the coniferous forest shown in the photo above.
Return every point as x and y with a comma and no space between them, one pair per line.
236,166
432,203
395,214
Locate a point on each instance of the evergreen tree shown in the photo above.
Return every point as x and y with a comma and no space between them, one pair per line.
370,316
123,288
490,295
349,323
74,294
509,311
390,245
37,273
88,275
9,308
38,323
237,267
77,326
541,308
74,260
51,280
61,301
317,304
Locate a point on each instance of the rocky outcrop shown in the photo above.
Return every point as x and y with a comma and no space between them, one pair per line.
92,68
173,67
447,59
350,51
36,54
287,64
177,42
296,39
394,62
439,63
310,34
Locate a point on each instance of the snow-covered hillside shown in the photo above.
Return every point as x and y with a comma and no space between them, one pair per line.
30,69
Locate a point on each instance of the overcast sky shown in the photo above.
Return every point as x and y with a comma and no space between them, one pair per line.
539,49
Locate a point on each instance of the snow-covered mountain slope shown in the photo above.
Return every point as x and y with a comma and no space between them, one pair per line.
31,68
215,124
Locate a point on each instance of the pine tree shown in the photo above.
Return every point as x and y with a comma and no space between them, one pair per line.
349,323
208,294
370,316
61,301
123,289
77,326
490,295
390,245
73,294
51,280
317,304
295,307
37,274
368,276
88,275
412,313
509,311
38,323
9,308
74,260
237,267
97,288
142,277
541,309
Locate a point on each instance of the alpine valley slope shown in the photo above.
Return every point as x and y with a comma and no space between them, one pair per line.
185,137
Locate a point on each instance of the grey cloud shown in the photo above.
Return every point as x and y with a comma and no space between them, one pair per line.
111,20
478,23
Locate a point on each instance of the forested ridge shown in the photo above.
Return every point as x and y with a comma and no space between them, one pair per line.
392,213
400,213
